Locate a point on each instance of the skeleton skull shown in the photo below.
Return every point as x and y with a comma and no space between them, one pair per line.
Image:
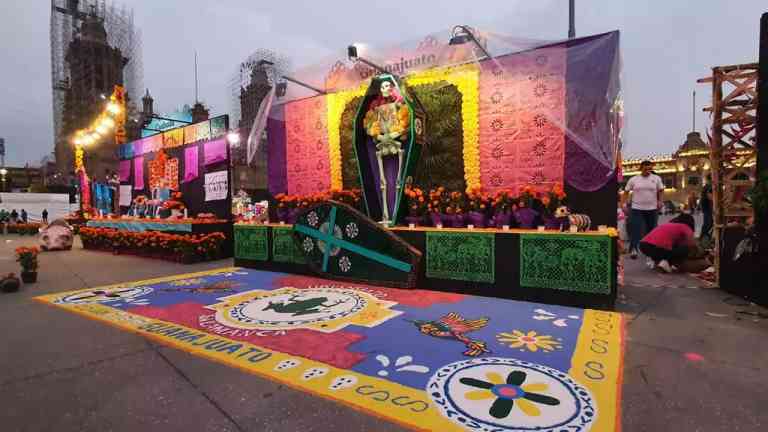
56,236
386,89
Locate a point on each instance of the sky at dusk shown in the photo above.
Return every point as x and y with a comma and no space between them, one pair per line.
665,45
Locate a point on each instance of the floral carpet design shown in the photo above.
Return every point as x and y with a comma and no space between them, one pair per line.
422,359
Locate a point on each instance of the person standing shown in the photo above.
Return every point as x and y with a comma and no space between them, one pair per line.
45,216
645,197
706,209
24,216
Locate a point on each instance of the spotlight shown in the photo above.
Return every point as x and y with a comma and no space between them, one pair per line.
233,138
101,129
281,88
113,108
108,122
352,52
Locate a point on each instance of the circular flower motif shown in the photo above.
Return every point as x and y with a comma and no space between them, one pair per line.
325,229
540,120
308,245
540,89
352,230
312,219
531,341
345,264
504,394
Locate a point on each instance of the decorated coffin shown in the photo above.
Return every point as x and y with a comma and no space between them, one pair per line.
389,133
341,243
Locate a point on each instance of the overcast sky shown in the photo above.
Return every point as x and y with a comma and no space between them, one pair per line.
666,45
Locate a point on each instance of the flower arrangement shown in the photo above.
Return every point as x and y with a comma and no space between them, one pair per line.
477,200
24,228
185,248
456,204
27,258
439,200
417,203
350,197
504,201
553,198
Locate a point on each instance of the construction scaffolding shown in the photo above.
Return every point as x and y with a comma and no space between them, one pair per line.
733,142
241,78
66,17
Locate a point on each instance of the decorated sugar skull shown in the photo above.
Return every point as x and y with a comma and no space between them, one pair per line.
562,212
56,236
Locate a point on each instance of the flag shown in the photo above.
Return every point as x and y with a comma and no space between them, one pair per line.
259,124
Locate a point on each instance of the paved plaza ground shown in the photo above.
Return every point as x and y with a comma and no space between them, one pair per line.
692,363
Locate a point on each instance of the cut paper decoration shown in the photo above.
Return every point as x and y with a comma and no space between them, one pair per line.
197,132
153,143
190,163
308,159
522,116
216,186
125,196
173,138
138,173
214,151
172,173
125,170
138,148
157,170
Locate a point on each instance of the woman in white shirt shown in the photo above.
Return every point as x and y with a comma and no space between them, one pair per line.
645,193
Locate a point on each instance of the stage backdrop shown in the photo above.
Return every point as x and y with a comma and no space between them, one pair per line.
193,160
545,116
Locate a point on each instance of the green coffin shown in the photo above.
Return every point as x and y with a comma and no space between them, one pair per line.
341,243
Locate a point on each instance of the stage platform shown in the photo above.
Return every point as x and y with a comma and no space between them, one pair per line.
573,269
197,229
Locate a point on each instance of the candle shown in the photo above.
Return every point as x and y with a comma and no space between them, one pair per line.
505,227
439,226
470,226
411,226
542,227
574,229
185,213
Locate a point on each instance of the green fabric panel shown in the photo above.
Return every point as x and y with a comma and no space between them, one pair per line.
284,248
251,242
568,262
461,256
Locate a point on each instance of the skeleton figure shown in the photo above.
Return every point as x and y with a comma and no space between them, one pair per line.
387,122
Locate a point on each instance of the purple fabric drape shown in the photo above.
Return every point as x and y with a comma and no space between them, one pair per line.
125,170
215,151
190,163
276,158
138,173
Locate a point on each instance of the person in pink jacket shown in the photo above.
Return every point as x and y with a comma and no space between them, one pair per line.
669,244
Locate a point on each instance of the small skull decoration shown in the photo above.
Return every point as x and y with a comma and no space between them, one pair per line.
56,236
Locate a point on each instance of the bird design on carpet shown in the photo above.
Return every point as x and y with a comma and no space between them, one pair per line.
454,326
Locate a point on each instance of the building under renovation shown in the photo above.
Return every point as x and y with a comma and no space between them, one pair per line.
94,46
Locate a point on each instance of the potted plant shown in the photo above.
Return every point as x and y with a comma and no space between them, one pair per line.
437,206
477,206
550,201
525,215
417,205
457,207
502,208
27,257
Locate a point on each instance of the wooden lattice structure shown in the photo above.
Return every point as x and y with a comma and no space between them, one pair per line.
733,141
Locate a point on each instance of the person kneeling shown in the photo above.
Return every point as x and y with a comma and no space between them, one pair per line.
668,245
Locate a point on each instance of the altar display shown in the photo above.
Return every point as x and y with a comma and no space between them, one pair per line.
479,147
176,183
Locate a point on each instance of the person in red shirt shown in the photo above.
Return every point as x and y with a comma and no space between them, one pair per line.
668,245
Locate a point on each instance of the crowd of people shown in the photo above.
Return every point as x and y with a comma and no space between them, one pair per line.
14,217
665,247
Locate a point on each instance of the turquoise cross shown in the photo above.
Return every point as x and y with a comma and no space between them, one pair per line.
332,242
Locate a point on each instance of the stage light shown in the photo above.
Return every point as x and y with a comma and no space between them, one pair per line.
352,52
101,129
233,138
281,89
462,34
113,108
108,122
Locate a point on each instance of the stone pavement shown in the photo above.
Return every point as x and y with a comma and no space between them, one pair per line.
692,363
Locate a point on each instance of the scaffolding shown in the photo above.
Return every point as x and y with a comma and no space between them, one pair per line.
241,78
122,34
733,143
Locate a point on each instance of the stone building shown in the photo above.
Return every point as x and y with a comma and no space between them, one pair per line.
253,176
683,171
95,69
